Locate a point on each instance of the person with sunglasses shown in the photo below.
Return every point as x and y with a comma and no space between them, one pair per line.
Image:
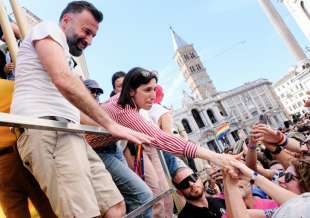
198,204
296,178
298,174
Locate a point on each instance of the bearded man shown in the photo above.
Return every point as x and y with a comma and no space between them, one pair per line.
189,185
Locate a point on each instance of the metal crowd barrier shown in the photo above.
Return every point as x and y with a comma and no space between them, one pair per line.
43,124
149,204
10,120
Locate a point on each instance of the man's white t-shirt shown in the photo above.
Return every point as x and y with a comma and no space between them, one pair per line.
35,95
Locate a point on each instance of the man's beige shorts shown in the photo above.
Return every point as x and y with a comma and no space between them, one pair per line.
70,172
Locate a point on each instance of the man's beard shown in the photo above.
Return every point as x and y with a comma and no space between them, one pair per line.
73,41
194,195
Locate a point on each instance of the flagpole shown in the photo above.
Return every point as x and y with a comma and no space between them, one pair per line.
20,18
8,32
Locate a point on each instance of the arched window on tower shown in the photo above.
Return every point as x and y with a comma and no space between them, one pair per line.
186,57
211,116
186,126
197,118
198,67
192,69
192,54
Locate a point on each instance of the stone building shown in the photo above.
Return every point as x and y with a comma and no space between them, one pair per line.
292,88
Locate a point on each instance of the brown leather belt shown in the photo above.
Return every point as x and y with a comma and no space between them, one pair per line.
6,150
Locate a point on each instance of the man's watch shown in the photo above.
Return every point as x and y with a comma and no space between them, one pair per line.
253,178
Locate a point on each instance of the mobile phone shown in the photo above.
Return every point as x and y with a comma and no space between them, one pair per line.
263,119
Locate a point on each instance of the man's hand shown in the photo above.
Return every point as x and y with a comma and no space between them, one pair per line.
244,171
265,134
228,179
129,134
223,160
9,68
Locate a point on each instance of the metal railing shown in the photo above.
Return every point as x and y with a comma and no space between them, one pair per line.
140,210
10,120
50,125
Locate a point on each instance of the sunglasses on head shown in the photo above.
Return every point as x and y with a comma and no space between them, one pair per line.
184,184
288,176
149,73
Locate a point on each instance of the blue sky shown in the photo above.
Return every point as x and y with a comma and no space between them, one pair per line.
136,33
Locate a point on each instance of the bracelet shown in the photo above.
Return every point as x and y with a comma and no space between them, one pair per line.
253,177
284,143
282,138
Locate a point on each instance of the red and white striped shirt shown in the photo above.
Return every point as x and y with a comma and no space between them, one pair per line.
130,118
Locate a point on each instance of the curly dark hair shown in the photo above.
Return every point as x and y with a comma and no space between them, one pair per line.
302,168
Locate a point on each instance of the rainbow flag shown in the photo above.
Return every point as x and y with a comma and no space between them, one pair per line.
222,130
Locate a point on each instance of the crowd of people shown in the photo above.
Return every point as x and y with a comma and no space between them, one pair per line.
71,175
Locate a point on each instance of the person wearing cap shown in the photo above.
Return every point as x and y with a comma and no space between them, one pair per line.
132,187
94,88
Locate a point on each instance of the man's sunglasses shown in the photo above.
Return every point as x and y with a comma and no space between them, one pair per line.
184,184
288,176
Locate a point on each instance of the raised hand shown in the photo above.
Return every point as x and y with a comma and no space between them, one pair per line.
266,134
244,171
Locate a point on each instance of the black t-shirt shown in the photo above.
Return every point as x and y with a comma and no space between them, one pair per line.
216,209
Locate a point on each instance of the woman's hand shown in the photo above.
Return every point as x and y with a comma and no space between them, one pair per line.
228,179
224,160
244,171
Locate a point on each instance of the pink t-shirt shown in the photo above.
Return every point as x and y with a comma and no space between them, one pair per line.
262,204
